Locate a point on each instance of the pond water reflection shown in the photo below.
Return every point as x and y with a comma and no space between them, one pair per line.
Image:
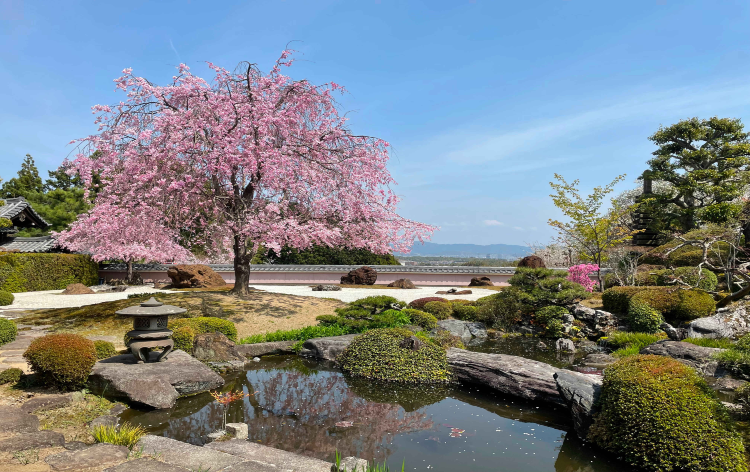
307,407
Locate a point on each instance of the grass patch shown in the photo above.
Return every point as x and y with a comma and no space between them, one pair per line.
73,419
709,342
126,435
627,344
296,334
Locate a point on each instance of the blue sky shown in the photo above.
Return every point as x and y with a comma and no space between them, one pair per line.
483,101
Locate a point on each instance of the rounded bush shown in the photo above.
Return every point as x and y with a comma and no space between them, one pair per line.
502,310
659,415
419,303
440,310
390,319
201,325
10,376
104,349
617,299
465,312
642,317
62,360
693,304
461,302
184,338
8,331
6,298
421,318
550,320
378,354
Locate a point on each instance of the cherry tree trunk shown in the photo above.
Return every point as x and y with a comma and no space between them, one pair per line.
241,267
130,275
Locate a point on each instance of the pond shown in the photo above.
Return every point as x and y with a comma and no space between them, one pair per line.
310,408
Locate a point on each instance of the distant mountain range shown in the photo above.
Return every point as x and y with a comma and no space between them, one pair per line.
496,251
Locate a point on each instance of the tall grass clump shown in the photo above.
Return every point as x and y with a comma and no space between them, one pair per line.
126,435
302,334
721,343
627,344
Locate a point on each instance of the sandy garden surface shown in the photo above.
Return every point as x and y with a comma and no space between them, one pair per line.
350,294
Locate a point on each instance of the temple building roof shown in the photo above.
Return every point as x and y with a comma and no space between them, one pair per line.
20,244
20,212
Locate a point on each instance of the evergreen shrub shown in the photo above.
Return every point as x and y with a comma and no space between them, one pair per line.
658,415
202,324
8,331
62,360
736,358
421,318
545,287
446,340
440,310
25,272
550,320
641,317
104,349
183,338
6,298
503,309
465,312
10,376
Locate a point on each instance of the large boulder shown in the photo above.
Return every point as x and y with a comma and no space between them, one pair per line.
328,348
194,276
595,322
363,276
532,262
154,384
480,282
466,330
215,347
263,349
77,289
402,283
697,357
510,375
730,322
581,392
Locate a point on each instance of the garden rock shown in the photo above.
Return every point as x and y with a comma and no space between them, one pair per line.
91,458
596,322
510,375
77,289
328,348
326,288
37,440
47,402
412,343
154,384
532,262
363,276
75,445
453,291
402,283
146,465
106,420
598,360
187,455
282,460
728,384
466,330
673,333
697,357
731,322
215,347
194,276
566,345
581,393
237,430
480,282
263,349
14,420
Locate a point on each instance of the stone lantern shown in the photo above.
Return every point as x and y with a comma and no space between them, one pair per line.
150,328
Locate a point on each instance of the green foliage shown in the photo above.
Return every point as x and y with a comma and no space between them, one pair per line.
28,181
6,298
440,310
125,435
692,304
104,349
23,272
201,325
736,358
324,255
8,331
706,162
703,279
303,334
184,338
5,223
503,309
62,360
659,415
617,299
367,313
419,303
465,312
371,466
721,343
445,339
421,318
377,354
550,320
10,376
628,343
641,317
688,256
673,303
544,287
742,398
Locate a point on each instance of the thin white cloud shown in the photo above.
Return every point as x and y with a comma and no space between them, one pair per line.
171,45
493,223
518,228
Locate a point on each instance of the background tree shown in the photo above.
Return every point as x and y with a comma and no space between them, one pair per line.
27,182
705,163
592,230
249,160
328,255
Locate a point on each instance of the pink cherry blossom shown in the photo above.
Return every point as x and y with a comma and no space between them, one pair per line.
581,274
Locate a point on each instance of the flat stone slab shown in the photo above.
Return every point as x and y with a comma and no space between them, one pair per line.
154,384
697,357
47,402
282,460
264,349
91,458
37,440
186,455
147,465
328,348
14,420
510,375
581,392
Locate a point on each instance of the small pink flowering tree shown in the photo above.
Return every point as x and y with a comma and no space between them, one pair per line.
581,274
248,160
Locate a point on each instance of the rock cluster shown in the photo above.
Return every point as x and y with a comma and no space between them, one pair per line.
480,282
363,276
453,291
77,289
731,322
466,330
532,262
402,283
194,276
595,322
215,347
326,288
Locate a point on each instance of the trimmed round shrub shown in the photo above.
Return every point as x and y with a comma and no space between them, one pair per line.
378,354
440,310
201,325
617,299
693,304
465,312
8,331
550,321
184,338
6,298
659,415
419,303
390,319
10,376
421,318
62,360
104,349
503,309
461,302
642,317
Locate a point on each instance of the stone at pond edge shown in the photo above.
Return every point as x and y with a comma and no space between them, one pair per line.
237,430
94,457
106,420
480,282
402,283
14,420
77,289
363,276
731,322
215,347
566,345
598,360
36,440
186,455
328,348
466,330
581,393
194,276
154,384
510,375
264,349
47,402
146,465
283,460
697,357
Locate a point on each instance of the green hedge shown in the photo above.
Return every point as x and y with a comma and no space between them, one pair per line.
550,320
203,324
6,298
440,310
21,272
673,303
8,331
104,349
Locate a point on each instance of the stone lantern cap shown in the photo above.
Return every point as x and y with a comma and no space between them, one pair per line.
151,307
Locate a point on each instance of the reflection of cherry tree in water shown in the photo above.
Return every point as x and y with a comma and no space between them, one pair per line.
298,413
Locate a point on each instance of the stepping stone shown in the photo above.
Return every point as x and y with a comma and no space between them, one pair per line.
91,458
111,339
13,420
75,445
282,460
264,349
11,353
13,359
35,440
148,465
46,402
186,455
20,344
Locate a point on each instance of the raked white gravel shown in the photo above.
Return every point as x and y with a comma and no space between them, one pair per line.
54,299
